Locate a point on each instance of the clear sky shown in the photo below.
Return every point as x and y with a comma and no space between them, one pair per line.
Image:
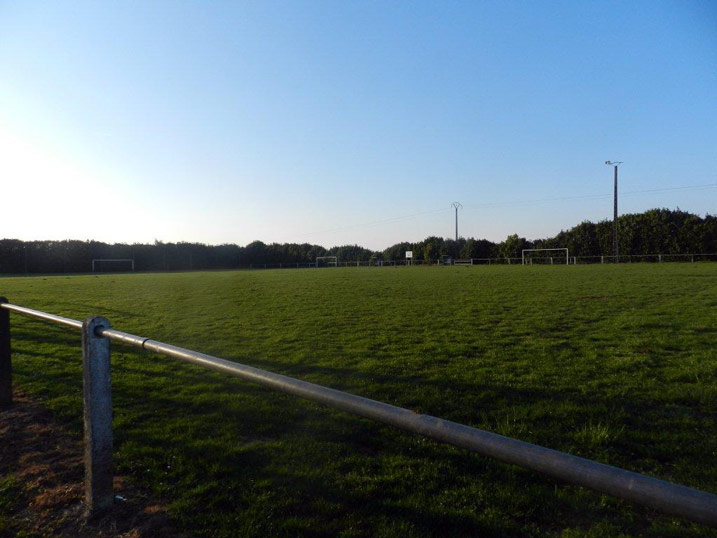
350,122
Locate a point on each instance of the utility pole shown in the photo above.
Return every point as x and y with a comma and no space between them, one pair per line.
457,205
616,248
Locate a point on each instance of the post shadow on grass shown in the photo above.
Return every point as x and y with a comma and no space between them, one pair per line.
19,434
5,358
57,372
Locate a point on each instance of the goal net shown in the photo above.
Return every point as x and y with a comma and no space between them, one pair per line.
113,265
546,256
327,261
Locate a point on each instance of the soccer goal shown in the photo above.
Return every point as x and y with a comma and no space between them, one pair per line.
531,255
327,261
114,265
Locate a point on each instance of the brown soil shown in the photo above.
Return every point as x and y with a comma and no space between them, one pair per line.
45,460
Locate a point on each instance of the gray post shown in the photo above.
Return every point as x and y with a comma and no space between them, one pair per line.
457,205
615,238
5,365
98,416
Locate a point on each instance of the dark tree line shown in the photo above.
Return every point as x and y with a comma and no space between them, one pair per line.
657,231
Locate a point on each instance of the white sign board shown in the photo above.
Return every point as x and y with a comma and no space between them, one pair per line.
409,254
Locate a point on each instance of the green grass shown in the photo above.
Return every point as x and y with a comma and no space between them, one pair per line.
10,498
612,363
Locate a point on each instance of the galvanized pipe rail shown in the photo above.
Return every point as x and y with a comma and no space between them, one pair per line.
692,504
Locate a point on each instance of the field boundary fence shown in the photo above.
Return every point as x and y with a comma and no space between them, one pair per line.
545,260
692,504
133,266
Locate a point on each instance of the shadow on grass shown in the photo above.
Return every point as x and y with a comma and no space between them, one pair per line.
234,448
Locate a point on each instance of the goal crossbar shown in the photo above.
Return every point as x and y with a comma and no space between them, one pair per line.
97,260
329,260
567,257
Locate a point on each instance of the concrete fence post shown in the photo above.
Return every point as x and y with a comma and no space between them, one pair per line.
97,416
5,364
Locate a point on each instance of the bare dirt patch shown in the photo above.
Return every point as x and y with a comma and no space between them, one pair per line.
44,463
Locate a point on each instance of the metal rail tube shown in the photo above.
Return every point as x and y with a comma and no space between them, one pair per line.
124,338
43,315
696,505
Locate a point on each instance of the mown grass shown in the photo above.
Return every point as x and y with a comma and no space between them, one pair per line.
10,498
613,363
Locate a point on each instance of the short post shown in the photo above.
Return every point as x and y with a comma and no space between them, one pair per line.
5,364
98,416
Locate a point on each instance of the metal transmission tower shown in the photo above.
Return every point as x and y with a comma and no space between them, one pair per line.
457,205
615,243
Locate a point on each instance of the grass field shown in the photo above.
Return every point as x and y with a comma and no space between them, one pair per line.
612,363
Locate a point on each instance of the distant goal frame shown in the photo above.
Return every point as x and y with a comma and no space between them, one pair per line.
95,260
328,263
567,253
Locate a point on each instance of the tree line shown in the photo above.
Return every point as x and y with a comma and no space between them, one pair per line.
657,231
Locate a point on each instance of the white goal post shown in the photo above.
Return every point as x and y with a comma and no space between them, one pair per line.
529,259
329,260
99,262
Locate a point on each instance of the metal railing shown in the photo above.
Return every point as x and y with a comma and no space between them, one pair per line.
543,260
692,504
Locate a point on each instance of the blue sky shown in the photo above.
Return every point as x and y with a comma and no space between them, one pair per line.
350,122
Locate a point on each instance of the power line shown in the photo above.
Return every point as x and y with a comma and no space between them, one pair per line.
375,222
520,203
591,196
